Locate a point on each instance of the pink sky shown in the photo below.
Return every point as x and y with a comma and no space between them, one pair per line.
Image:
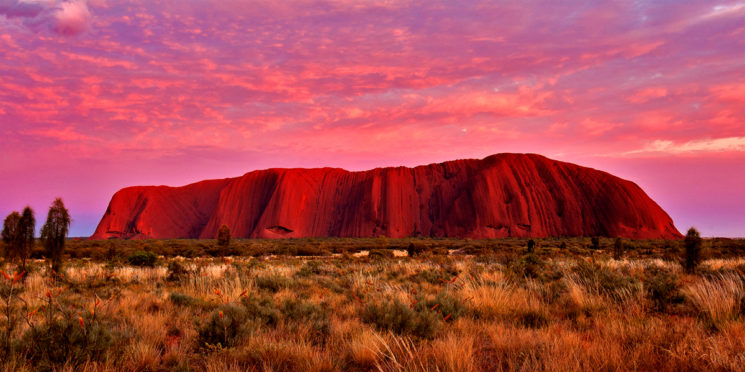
99,95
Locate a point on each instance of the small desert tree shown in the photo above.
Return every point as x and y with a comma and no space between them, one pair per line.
595,240
693,247
54,232
26,230
531,245
10,234
618,248
223,236
223,240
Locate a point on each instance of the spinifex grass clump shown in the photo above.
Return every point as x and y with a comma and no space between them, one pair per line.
614,285
718,298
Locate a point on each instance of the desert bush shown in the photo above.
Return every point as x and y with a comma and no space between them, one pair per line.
528,266
445,304
618,248
402,319
223,236
272,283
416,249
142,258
261,310
595,241
225,326
531,245
663,290
381,253
180,299
189,251
177,271
66,341
111,251
314,316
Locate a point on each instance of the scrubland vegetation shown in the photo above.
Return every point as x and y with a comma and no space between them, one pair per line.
377,304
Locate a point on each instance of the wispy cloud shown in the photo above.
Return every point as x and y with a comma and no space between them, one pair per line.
668,147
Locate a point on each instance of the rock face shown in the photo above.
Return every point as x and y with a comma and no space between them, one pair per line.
504,195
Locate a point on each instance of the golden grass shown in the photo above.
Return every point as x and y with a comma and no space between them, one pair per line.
719,298
557,322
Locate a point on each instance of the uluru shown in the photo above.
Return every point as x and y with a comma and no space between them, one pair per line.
503,195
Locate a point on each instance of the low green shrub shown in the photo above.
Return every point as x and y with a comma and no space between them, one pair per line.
261,310
272,283
142,258
402,319
314,316
180,299
663,290
225,326
66,341
445,305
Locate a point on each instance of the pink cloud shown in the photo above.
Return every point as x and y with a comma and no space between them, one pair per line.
72,17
